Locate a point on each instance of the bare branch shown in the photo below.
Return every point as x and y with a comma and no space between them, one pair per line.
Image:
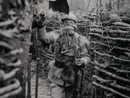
15,92
121,24
110,89
112,84
101,79
10,87
10,74
109,31
110,38
112,75
116,47
111,56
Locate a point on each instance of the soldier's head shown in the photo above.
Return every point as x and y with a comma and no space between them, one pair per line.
70,21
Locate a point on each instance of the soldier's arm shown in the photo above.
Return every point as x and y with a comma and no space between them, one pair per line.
85,57
48,37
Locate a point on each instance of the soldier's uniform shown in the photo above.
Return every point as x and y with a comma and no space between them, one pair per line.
68,47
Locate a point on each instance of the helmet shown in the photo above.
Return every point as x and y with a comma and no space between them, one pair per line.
71,16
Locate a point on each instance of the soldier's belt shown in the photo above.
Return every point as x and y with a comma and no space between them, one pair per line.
62,64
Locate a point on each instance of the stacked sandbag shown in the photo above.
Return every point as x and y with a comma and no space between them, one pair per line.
10,48
110,45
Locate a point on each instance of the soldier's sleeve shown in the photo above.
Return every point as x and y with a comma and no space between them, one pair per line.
48,37
85,57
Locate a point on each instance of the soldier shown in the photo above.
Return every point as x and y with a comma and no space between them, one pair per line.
70,49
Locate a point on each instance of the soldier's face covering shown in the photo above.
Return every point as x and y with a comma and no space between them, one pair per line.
70,23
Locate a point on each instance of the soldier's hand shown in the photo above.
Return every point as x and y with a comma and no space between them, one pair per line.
80,63
39,21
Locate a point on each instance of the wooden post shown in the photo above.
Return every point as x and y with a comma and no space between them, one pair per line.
96,72
24,81
88,5
29,76
97,12
110,6
100,5
37,71
118,5
97,7
38,59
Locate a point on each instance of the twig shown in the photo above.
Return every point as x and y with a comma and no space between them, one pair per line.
10,74
110,83
96,30
114,68
116,47
112,64
16,64
2,43
5,23
118,27
111,56
110,38
121,24
100,65
9,33
110,89
120,87
112,75
122,71
13,52
101,79
119,70
109,31
11,87
9,94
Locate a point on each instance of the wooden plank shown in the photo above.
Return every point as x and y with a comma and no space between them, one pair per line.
29,76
